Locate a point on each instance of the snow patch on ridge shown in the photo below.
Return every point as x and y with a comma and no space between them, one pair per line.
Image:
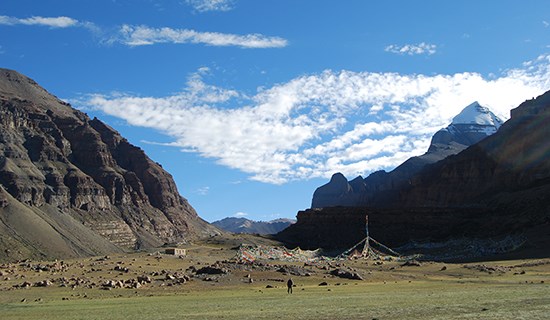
477,114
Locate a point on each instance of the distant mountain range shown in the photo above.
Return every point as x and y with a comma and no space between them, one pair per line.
243,225
382,188
72,186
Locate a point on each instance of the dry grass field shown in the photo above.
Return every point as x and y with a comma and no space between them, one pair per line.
159,286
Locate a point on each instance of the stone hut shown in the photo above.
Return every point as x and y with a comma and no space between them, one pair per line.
175,251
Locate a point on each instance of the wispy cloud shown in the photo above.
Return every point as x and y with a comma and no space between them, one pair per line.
211,5
144,35
412,49
202,191
315,125
52,22
240,214
545,23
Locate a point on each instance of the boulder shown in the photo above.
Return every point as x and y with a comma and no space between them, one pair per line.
346,274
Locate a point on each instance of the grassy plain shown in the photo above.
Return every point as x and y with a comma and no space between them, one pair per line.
517,289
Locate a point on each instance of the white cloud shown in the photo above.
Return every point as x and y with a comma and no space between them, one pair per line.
545,23
202,191
144,35
315,125
240,214
211,5
52,22
412,49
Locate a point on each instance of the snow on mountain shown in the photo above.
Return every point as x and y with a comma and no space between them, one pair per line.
477,114
472,125
243,225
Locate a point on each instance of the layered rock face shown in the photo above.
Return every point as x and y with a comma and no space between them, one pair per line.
381,188
56,159
499,186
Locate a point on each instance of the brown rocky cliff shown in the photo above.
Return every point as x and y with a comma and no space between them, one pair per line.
53,156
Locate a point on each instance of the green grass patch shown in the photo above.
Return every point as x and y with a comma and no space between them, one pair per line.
420,300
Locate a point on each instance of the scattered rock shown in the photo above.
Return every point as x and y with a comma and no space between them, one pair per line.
144,279
112,284
295,271
411,263
121,269
43,283
25,284
212,270
169,277
488,269
323,283
346,274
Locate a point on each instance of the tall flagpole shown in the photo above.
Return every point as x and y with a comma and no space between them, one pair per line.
366,248
367,225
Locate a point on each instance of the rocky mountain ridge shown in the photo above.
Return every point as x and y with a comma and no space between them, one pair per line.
495,188
57,162
381,188
515,159
243,225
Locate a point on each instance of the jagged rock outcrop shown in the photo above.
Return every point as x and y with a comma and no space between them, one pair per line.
55,159
381,188
243,225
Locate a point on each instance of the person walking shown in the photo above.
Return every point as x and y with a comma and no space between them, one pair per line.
289,285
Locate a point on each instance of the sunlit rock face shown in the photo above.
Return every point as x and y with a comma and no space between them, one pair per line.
54,158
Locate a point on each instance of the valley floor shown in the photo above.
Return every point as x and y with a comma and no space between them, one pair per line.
105,288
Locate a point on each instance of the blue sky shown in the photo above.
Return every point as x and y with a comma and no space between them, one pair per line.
251,105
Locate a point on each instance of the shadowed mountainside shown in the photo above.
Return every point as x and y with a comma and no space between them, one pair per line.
497,187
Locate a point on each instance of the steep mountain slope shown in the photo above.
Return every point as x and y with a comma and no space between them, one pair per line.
73,173
504,165
496,188
381,188
243,225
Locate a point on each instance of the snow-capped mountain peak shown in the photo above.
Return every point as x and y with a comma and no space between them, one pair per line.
477,114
